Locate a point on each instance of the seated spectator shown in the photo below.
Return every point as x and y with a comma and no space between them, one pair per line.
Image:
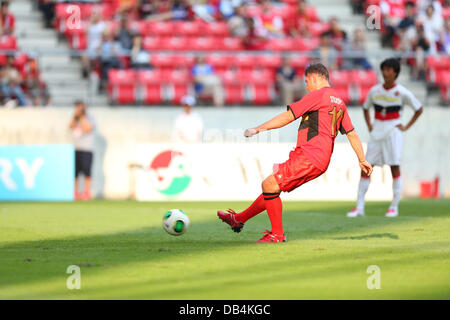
228,8
298,24
94,40
140,59
48,9
236,24
207,82
421,46
337,35
406,28
36,88
11,82
357,6
253,40
147,8
124,34
205,11
291,87
445,38
433,26
7,20
110,51
355,52
182,10
422,6
326,53
392,12
269,23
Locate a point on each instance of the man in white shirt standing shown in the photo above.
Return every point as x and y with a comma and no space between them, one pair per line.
188,125
386,132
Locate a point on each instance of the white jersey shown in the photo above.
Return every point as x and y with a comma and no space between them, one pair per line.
388,104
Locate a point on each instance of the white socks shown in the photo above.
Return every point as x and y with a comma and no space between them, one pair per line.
397,191
362,189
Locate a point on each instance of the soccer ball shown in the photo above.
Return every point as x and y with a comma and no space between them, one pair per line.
175,222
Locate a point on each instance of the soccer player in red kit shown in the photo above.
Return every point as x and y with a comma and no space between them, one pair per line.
323,114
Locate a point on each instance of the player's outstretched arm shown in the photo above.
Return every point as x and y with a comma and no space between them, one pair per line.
356,144
277,122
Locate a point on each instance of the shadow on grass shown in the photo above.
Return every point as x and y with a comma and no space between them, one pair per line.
368,236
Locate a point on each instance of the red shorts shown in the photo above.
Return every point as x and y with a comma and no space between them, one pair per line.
296,171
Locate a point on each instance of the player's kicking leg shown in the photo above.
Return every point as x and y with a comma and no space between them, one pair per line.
269,200
397,192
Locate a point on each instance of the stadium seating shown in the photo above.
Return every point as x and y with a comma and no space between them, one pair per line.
247,77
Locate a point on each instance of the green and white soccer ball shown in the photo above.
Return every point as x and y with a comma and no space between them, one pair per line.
175,222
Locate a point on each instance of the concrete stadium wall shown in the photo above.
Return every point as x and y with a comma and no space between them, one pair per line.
426,149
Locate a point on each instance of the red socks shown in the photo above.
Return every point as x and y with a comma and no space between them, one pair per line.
255,208
266,201
274,209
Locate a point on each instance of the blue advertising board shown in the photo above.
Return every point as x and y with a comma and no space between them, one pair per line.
37,172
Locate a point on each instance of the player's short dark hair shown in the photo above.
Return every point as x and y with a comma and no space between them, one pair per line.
79,101
317,68
409,4
391,63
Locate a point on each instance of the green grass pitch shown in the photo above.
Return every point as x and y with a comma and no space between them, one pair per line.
124,253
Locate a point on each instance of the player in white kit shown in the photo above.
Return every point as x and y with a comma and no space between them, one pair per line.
386,132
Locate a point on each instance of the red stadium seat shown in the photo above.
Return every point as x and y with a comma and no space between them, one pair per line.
282,44
244,61
438,62
229,43
340,78
188,28
202,44
343,92
364,77
122,86
234,94
174,43
162,60
161,28
8,43
151,86
216,29
152,43
269,60
261,93
317,28
306,44
178,84
220,61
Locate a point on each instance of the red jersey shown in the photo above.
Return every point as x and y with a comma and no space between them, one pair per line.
323,115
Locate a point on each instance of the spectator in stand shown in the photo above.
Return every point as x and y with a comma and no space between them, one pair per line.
11,86
83,134
182,10
95,31
205,11
406,28
36,88
206,81
228,8
358,6
422,6
298,24
269,23
433,26
337,35
188,126
288,82
392,12
326,53
140,59
445,38
124,34
253,40
48,9
147,8
236,24
7,20
421,46
355,52
110,51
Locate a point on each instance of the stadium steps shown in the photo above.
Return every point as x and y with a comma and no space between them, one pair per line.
61,72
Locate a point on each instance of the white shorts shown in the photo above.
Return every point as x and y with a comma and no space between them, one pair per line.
386,151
